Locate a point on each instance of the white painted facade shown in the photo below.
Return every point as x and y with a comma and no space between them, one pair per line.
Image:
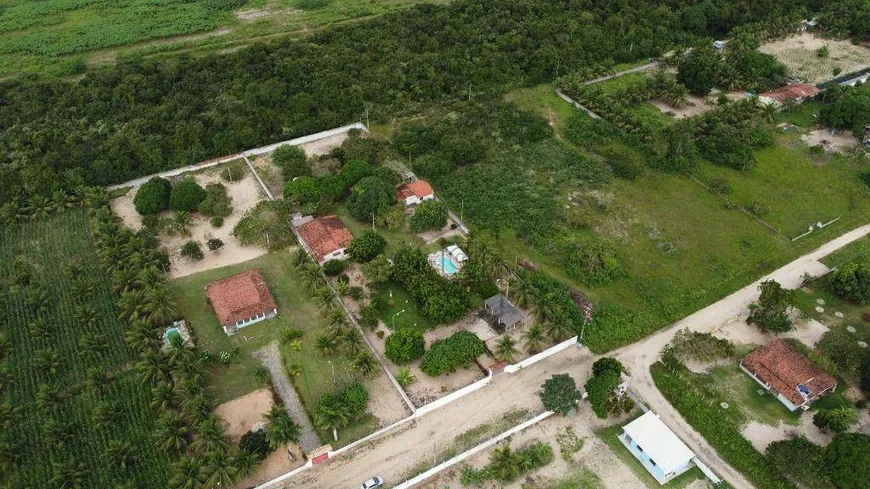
231,329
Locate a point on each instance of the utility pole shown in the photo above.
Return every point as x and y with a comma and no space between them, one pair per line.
461,209
558,62
373,222
367,117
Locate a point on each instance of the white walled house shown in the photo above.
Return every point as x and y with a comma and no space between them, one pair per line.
241,300
660,451
415,192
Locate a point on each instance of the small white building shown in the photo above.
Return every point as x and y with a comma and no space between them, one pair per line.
660,451
415,192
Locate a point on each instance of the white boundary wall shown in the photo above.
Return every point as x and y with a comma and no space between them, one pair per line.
479,448
251,152
468,389
511,369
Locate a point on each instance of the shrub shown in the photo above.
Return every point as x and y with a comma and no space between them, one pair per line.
605,365
266,225
216,221
333,267
847,460
593,265
214,244
369,197
217,203
405,346
192,251
369,316
445,355
292,161
234,171
186,196
800,459
770,312
365,246
600,387
701,346
865,177
356,292
355,170
559,394
842,347
255,442
377,270
430,214
153,196
836,420
852,282
302,190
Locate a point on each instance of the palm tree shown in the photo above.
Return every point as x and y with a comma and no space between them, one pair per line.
12,213
506,348
246,464
280,428
198,407
523,292
325,299
503,463
172,433
300,258
49,397
352,342
131,305
342,287
48,361
39,208
149,278
97,378
58,432
219,470
558,329
534,337
105,414
364,364
162,398
140,337
331,416
10,455
181,223
152,368
160,305
405,377
38,329
68,475
210,436
325,345
122,454
187,473
61,201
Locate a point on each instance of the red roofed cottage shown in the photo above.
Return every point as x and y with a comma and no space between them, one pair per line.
326,237
795,91
793,378
415,192
241,300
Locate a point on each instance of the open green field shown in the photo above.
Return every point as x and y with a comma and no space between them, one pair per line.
400,310
295,310
63,37
395,239
59,315
681,246
742,391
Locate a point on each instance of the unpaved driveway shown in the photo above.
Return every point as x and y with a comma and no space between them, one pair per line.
639,356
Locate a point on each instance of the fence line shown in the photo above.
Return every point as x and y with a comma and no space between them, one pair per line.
473,451
257,176
335,453
540,356
453,396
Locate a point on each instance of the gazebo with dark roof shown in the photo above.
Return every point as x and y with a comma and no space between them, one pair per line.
504,311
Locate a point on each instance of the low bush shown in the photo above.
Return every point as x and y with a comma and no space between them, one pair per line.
445,355
217,203
186,196
356,292
192,251
214,244
292,161
430,214
837,420
216,221
405,346
266,225
508,466
334,267
559,394
701,346
255,442
593,264
153,196
851,282
365,246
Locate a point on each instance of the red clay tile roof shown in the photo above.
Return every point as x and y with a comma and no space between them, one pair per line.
325,235
783,367
239,297
796,91
420,188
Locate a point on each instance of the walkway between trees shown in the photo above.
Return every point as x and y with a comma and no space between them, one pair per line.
271,358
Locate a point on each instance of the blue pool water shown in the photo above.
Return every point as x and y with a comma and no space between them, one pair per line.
448,266
172,332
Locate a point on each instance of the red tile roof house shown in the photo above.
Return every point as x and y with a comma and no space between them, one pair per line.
241,300
793,378
326,237
796,91
415,192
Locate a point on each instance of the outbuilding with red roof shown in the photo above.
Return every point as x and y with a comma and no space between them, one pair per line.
795,91
326,237
241,300
415,192
793,378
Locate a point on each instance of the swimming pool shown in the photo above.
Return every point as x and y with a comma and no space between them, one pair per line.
447,265
171,334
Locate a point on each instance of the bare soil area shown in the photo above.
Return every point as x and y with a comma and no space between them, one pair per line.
324,145
799,55
241,414
276,464
695,106
840,142
762,435
385,403
245,194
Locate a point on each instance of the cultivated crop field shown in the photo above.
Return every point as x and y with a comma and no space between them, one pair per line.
63,37
799,55
77,405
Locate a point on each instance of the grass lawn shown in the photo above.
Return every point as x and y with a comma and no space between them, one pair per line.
398,300
739,389
579,477
395,239
796,190
610,436
542,100
858,251
621,83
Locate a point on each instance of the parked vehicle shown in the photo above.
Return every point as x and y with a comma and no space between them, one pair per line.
373,483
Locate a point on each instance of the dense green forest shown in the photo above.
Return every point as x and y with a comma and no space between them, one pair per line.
144,116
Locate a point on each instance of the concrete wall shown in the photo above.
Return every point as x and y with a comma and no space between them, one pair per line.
540,356
468,389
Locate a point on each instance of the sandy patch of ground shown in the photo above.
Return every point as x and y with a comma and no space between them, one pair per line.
245,194
324,145
841,142
762,435
695,105
385,403
798,54
271,175
253,14
807,331
276,464
241,414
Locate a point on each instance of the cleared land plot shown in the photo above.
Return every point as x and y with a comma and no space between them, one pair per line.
798,54
295,310
68,433
60,37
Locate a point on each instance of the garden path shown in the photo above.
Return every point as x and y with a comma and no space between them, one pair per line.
271,358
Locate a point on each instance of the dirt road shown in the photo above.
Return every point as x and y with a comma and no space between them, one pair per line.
639,356
393,455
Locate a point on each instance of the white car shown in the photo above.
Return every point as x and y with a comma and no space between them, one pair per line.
373,483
